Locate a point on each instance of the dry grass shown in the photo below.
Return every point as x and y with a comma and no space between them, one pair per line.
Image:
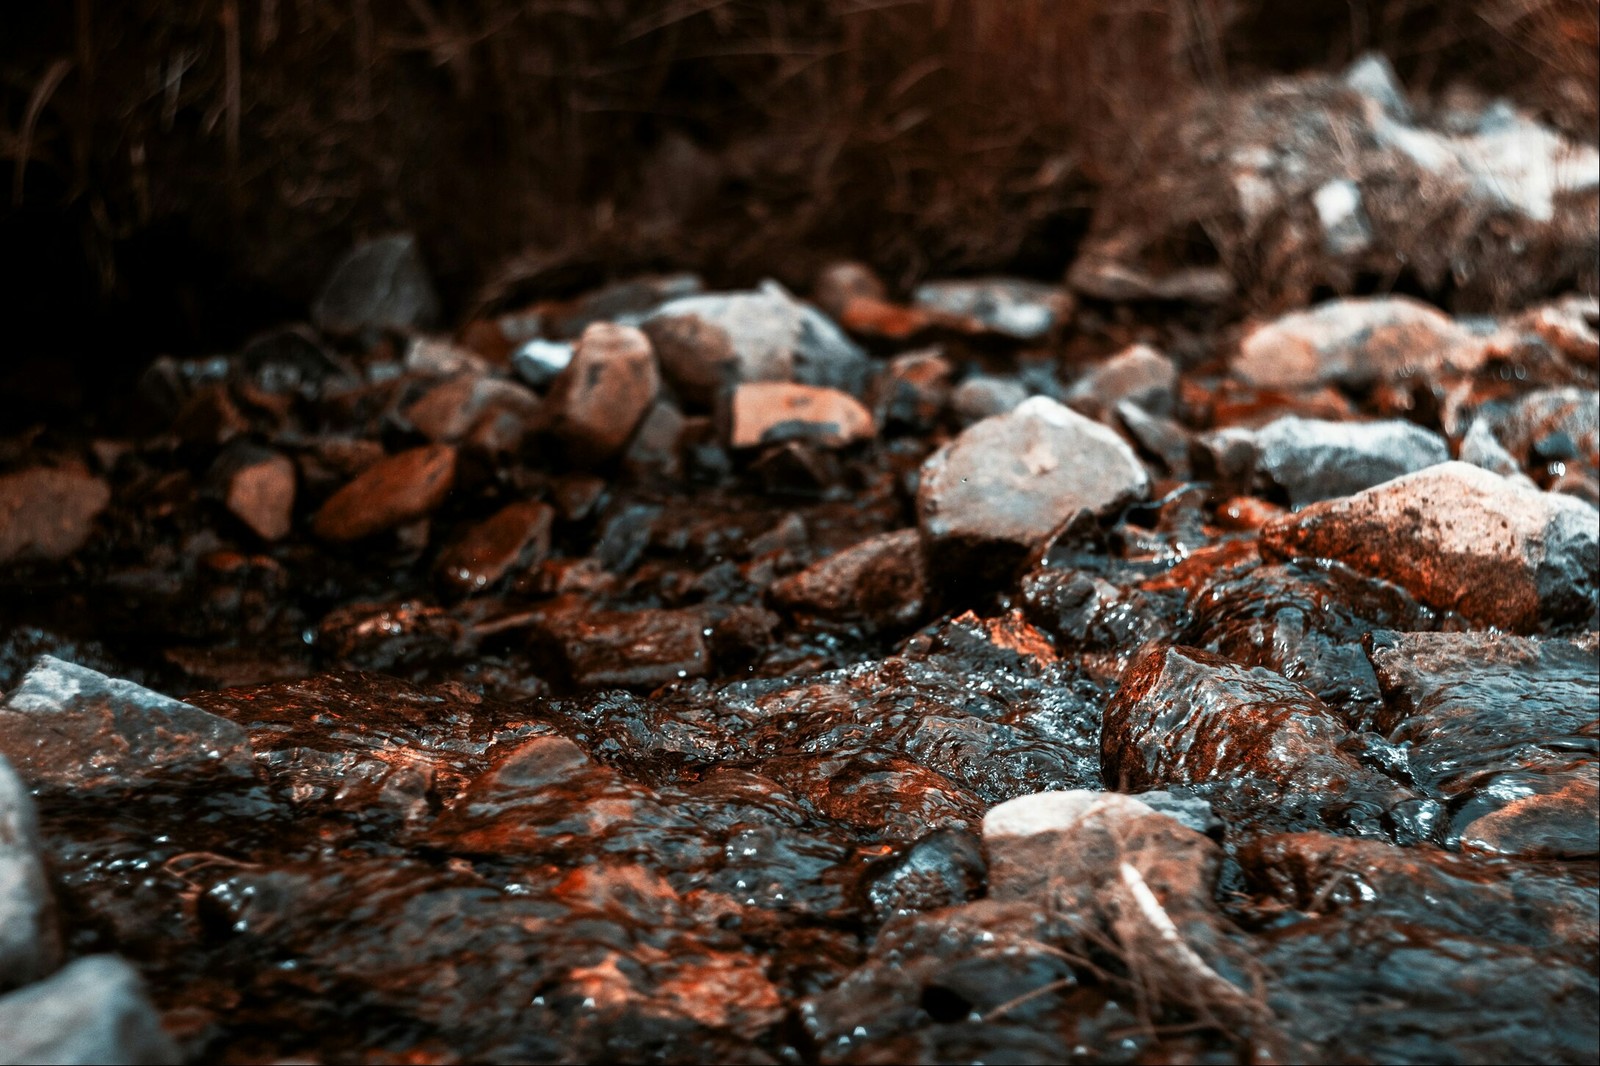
733,136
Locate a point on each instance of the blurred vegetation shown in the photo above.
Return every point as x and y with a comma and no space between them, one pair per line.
198,163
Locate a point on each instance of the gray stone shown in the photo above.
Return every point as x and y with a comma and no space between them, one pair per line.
712,342
983,396
823,354
1313,460
93,1011
1011,307
1481,447
1139,374
30,942
1008,482
66,726
378,285
1356,343
598,400
538,362
1459,538
48,513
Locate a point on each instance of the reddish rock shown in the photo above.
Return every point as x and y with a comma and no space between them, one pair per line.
516,535
260,493
449,411
1140,374
1459,538
912,389
879,580
636,648
48,513
390,493
774,412
840,283
595,403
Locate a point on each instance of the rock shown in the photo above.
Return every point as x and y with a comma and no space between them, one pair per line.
433,357
1480,447
839,284
48,514
912,389
1355,343
448,412
258,488
517,535
1007,482
392,492
1313,460
823,355
1098,274
632,648
1493,724
1162,438
1462,539
66,726
982,396
1120,873
945,868
93,1011
539,362
712,342
378,285
774,412
1139,374
390,636
1226,458
1551,426
30,942
879,580
655,450
624,303
605,391
1011,307
1188,717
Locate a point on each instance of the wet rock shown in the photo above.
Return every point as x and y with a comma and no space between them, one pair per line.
448,412
48,513
879,580
1001,487
393,491
600,397
1503,729
632,648
1087,613
67,727
982,396
1551,426
1011,307
1313,460
1187,717
1139,374
1356,343
912,389
538,362
515,537
390,636
943,869
258,488
363,743
93,1011
1306,621
379,285
1480,447
775,412
1120,873
1465,895
30,943
1459,538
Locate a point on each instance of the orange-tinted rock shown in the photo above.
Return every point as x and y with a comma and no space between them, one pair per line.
879,580
516,535
260,494
1459,538
646,648
595,403
771,412
390,493
48,513
449,411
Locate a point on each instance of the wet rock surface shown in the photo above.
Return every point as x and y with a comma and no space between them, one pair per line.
955,674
